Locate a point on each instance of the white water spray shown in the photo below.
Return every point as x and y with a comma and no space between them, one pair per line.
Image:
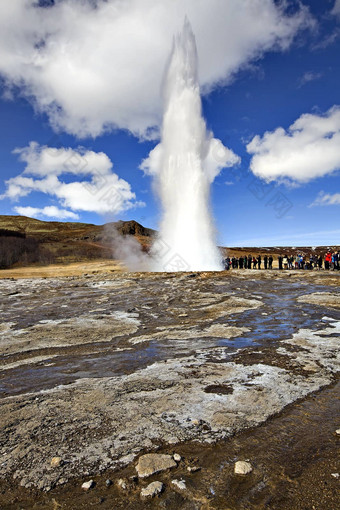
187,237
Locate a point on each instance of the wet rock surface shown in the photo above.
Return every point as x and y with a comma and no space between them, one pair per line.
98,372
152,490
152,463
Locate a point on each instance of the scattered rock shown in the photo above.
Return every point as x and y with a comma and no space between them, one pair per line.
193,469
180,484
177,457
121,483
88,485
337,432
152,490
335,475
108,483
56,462
152,463
242,467
173,440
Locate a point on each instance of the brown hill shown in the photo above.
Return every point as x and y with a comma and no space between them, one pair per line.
56,231
69,241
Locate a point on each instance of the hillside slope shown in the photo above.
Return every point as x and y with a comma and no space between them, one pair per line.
70,241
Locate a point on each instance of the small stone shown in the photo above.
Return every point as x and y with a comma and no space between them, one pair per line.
180,484
121,483
56,462
196,422
177,457
152,490
337,432
242,467
173,440
335,475
193,469
152,463
108,482
88,485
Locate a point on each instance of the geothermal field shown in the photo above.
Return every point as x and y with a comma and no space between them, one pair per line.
153,377
205,368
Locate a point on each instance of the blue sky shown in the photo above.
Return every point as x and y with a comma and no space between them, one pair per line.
80,119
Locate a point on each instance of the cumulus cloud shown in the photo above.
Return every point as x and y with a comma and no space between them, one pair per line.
326,199
50,211
216,157
81,180
310,148
92,65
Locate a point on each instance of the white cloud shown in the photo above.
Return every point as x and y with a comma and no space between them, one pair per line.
216,157
326,199
328,40
310,148
50,211
94,65
308,77
98,189
336,8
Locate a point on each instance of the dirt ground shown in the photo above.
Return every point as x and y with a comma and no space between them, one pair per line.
101,366
63,270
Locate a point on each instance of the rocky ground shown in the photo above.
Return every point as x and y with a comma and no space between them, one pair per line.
203,370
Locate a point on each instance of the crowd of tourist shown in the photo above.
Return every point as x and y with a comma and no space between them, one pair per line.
299,261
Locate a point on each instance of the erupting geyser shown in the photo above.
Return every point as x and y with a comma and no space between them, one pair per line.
186,232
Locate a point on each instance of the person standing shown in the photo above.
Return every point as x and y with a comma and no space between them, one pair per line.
336,260
270,261
245,262
290,262
320,261
285,262
254,263
249,261
265,261
259,262
300,262
280,261
240,262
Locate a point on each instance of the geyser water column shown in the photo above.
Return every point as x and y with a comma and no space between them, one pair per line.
187,236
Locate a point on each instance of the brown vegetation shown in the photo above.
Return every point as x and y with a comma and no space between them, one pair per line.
27,241
16,248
